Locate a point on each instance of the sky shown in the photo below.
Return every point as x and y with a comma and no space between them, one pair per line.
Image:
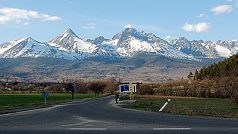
45,19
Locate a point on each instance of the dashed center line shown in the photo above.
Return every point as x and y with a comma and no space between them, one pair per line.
171,128
87,129
101,129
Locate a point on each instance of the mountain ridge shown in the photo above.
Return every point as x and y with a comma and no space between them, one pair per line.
125,44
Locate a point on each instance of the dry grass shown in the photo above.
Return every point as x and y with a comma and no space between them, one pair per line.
168,97
215,107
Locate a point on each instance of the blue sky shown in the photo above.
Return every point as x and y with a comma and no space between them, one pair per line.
45,19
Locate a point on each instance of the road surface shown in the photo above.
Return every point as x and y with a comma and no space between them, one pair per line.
101,116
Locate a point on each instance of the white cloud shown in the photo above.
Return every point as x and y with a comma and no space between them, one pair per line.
199,27
202,15
128,26
90,26
222,9
21,15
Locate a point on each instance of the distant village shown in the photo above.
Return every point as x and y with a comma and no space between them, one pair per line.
76,86
22,87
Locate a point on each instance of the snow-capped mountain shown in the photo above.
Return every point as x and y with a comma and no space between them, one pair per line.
99,40
206,49
125,44
28,47
131,42
69,41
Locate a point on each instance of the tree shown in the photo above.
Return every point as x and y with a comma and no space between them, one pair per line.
70,87
111,85
97,87
190,75
196,75
56,88
82,86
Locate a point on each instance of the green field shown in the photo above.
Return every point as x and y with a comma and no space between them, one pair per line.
214,107
11,101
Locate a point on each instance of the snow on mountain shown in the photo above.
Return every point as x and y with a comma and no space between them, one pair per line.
28,47
99,40
206,49
108,48
125,44
69,41
4,47
223,51
131,42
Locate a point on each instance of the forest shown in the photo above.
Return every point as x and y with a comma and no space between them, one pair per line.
218,80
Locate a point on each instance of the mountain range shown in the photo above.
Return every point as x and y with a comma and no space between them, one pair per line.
126,44
130,54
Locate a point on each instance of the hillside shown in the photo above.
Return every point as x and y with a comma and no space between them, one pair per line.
226,68
219,80
140,68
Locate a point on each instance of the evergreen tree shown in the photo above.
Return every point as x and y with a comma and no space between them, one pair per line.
190,75
196,75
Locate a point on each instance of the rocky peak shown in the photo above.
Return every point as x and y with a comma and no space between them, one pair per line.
99,40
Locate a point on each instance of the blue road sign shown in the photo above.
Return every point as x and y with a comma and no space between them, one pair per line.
45,94
124,88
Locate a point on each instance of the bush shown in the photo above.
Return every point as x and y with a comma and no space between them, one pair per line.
105,86
124,97
55,88
147,89
97,87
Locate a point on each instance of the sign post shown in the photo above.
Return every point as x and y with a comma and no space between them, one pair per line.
45,94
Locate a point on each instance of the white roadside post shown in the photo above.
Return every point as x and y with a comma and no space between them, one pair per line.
165,104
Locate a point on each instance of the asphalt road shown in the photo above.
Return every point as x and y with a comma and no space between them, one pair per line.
102,116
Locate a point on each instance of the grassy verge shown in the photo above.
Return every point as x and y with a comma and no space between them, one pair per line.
214,107
13,101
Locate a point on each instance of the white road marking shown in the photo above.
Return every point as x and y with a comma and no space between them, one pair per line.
83,121
76,124
85,102
32,110
88,129
171,128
